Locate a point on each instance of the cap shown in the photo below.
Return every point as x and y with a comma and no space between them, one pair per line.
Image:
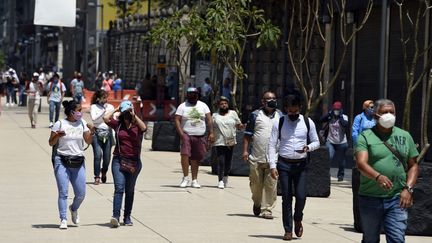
125,105
337,105
367,103
110,72
223,98
35,74
192,90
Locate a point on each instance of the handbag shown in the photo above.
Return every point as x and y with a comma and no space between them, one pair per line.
127,165
72,161
103,134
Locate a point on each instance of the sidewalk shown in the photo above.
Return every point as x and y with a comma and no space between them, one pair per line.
162,211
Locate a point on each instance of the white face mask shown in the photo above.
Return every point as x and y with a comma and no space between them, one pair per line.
336,112
387,120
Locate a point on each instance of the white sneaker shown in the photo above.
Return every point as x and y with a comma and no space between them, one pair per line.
7,104
195,184
51,125
115,222
63,224
221,185
225,181
74,215
185,182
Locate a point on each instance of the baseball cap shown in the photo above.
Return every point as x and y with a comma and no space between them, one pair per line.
35,74
337,105
125,105
192,90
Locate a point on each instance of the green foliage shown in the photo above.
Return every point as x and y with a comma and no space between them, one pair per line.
2,59
126,7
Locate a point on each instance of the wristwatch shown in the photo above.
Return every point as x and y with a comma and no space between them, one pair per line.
409,188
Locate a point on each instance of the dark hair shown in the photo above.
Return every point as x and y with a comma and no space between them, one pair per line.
69,106
98,95
267,91
292,100
56,75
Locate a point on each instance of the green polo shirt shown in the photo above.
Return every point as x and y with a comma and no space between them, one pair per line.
384,162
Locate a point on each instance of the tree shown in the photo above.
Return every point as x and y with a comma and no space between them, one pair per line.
126,7
231,24
414,54
305,27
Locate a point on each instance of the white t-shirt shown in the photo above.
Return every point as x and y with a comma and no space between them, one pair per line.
34,90
73,142
55,91
193,117
225,127
97,113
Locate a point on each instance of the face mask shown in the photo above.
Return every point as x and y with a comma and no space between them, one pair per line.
336,112
77,115
387,120
271,104
369,112
192,99
223,110
55,81
127,116
294,117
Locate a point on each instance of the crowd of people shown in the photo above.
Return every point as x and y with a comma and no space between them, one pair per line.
276,145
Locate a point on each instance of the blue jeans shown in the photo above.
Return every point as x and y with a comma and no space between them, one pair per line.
292,178
10,94
101,150
78,98
124,183
64,175
337,154
376,211
54,107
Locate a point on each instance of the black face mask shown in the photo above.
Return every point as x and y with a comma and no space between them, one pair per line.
127,116
293,117
271,104
223,110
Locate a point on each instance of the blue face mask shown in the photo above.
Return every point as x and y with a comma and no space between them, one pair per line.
369,112
55,81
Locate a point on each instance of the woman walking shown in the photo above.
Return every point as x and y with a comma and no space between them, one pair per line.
70,135
126,163
225,123
34,89
102,139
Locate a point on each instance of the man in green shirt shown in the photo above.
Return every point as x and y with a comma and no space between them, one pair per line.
387,177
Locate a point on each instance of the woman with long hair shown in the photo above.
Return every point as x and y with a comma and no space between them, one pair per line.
69,135
126,163
102,139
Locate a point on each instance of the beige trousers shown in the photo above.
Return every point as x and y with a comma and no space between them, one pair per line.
263,186
33,105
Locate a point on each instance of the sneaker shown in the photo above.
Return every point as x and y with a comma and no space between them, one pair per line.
256,210
195,184
7,104
114,222
225,181
185,182
221,185
267,215
51,125
63,224
127,221
74,215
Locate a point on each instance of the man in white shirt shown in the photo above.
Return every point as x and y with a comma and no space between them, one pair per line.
56,91
287,156
258,129
191,119
34,91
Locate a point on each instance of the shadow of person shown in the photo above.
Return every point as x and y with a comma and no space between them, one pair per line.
279,237
242,215
45,226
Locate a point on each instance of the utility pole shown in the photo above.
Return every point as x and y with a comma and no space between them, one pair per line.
85,51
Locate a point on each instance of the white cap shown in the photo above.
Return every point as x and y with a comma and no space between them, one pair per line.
35,74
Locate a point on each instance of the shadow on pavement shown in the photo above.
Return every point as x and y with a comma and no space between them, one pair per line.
242,215
45,226
107,225
278,237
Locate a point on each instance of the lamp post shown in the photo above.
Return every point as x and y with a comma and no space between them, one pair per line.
100,34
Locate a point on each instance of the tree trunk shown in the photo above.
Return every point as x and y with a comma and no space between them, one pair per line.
407,111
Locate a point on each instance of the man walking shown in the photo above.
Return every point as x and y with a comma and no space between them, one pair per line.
386,157
258,129
296,137
191,119
55,96
77,88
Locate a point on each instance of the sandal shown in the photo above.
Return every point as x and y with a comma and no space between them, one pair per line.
97,180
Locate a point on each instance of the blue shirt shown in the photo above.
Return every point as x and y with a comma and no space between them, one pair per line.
361,123
117,84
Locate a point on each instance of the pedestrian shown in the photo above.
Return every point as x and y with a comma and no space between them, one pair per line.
77,88
225,122
191,119
386,157
34,90
21,89
103,135
292,137
107,83
363,120
70,135
117,85
126,163
12,81
226,88
56,92
207,93
257,133
336,131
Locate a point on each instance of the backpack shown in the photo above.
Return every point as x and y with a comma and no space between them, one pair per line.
51,85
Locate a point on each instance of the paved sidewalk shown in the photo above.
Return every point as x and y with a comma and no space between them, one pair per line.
162,211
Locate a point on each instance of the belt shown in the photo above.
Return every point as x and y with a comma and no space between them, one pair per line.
291,160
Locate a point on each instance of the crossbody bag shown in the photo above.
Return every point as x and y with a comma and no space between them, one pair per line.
394,151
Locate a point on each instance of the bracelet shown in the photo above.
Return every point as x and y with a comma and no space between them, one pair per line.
376,178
